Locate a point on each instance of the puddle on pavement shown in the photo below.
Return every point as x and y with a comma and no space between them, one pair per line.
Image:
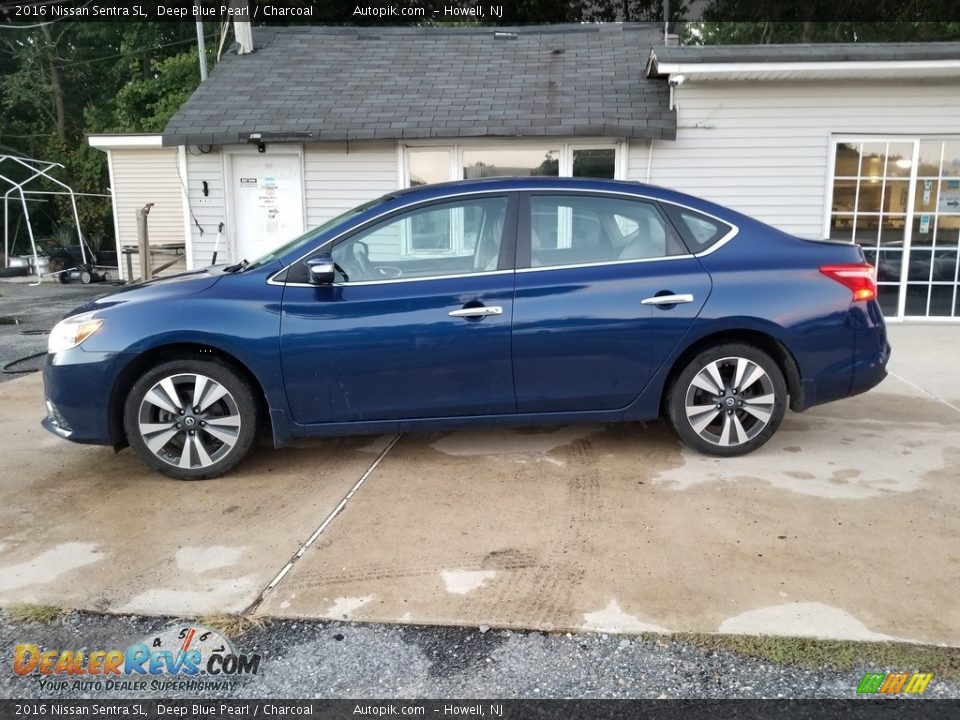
834,460
460,582
801,619
49,565
613,619
344,607
518,445
224,595
201,559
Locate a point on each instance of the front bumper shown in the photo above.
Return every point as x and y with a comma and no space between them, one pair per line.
77,387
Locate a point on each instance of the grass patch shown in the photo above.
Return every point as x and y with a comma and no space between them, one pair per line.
943,662
231,625
28,612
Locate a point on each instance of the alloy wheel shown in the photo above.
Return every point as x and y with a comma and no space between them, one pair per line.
730,401
189,420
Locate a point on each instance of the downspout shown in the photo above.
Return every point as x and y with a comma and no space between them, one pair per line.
649,159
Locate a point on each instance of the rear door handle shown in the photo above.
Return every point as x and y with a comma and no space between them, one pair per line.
482,311
668,299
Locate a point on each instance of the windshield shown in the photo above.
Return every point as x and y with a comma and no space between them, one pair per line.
311,234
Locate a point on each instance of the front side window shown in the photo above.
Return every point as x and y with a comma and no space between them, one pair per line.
573,230
444,239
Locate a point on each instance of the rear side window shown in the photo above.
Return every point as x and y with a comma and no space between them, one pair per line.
583,229
699,231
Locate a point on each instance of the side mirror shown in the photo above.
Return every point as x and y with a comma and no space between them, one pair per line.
321,269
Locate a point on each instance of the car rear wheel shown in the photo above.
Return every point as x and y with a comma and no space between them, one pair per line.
729,400
191,419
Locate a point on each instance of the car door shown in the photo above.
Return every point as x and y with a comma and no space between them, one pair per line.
605,290
417,322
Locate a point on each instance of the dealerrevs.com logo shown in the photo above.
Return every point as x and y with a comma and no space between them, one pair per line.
180,657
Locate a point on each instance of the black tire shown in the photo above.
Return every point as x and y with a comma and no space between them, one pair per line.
742,416
234,416
15,271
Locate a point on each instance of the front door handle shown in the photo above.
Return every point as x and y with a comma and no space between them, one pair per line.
668,299
481,311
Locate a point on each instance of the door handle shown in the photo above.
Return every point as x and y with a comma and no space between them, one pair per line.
481,311
668,299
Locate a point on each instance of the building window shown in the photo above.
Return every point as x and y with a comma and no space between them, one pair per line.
428,164
595,163
498,162
899,199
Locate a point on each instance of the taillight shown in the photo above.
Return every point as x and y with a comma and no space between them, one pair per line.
859,277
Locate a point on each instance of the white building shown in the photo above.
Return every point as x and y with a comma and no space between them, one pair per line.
860,142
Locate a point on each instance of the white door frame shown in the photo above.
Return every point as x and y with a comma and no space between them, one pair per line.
228,152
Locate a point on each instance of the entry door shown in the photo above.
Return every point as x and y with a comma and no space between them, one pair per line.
417,324
593,318
268,202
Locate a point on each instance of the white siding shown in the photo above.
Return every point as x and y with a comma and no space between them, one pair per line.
142,176
337,177
340,176
763,147
209,210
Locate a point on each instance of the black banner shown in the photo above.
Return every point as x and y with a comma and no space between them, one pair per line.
490,709
27,13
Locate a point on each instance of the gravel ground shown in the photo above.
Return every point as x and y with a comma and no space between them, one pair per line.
27,313
311,659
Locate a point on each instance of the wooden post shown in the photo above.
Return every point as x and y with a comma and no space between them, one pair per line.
143,242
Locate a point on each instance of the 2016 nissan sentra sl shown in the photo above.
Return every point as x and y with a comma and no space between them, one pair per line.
500,301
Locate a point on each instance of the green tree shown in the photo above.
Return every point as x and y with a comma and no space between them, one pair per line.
61,81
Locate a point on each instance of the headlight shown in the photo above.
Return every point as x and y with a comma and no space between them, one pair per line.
72,331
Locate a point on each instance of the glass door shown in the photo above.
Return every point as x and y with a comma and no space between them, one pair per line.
931,274
871,193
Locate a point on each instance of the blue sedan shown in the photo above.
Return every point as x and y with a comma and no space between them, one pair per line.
500,301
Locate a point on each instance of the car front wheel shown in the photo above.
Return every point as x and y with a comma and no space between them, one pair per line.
191,419
729,400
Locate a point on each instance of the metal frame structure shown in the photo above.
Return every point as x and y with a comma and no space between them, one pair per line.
38,169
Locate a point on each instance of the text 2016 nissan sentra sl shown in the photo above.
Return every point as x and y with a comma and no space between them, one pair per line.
500,301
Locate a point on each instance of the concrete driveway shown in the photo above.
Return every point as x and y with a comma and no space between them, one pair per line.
843,526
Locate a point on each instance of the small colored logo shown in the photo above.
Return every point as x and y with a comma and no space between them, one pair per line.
187,655
894,683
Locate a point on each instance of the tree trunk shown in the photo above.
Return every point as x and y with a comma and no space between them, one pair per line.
59,113
766,35
808,30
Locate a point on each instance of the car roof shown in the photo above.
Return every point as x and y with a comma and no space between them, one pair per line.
513,183
510,182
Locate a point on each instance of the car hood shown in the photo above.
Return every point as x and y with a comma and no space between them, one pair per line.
180,285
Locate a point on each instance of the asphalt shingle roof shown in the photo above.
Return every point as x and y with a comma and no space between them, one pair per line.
829,52
347,83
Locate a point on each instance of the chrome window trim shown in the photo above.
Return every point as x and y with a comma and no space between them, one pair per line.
385,281
541,268
734,231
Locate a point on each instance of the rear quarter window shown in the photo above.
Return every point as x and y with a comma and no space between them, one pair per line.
699,231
